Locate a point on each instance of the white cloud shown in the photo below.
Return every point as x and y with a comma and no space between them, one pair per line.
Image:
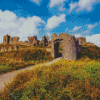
22,27
76,28
36,1
88,29
66,29
83,5
49,35
91,26
95,38
72,6
59,3
29,27
54,21
78,35
61,8
7,16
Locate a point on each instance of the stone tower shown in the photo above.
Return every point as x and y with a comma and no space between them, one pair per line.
6,39
45,41
68,42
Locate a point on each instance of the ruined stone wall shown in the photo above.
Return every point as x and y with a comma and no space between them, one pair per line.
8,39
81,40
33,40
78,47
10,48
14,40
45,41
68,45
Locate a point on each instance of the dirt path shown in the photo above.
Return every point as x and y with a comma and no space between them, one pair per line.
7,77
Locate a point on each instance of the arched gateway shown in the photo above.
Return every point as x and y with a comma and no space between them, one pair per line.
70,46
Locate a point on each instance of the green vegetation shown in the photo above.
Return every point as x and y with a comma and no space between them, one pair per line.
63,80
23,57
92,52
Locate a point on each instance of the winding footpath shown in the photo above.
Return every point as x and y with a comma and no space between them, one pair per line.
7,77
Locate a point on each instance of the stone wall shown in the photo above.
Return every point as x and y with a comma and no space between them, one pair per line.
8,39
69,46
45,41
10,48
81,40
33,40
14,40
23,43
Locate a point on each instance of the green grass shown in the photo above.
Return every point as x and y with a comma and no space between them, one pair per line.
63,80
3,67
16,59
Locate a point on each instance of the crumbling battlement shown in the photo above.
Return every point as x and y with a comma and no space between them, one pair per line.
8,39
33,40
70,45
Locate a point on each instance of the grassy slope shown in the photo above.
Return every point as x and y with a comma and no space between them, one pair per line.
63,80
22,57
92,52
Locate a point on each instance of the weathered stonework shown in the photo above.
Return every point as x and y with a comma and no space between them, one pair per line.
45,41
33,40
81,40
9,48
69,46
8,39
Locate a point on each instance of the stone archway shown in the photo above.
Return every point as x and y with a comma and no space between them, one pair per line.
57,52
69,48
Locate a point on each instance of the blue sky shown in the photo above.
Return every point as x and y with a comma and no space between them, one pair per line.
24,18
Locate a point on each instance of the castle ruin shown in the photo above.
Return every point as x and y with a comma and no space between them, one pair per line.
33,40
81,40
45,41
64,45
8,39
70,46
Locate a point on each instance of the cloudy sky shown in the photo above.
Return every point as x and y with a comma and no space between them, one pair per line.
25,18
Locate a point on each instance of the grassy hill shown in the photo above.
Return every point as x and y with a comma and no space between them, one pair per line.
63,80
92,52
23,57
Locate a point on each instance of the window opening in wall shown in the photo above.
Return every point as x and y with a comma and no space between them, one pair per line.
11,39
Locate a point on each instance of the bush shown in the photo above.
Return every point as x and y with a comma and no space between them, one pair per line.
92,52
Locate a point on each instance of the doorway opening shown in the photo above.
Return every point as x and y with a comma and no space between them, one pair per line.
57,50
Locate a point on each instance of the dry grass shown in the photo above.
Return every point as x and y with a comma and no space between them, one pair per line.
23,57
63,80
